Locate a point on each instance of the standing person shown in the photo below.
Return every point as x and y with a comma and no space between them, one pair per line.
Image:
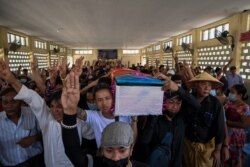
232,77
20,137
116,140
219,75
98,120
49,118
205,131
169,128
235,109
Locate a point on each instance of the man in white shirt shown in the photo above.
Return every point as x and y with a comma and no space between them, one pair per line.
98,120
48,119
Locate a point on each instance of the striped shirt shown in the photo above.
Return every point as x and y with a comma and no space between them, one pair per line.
11,153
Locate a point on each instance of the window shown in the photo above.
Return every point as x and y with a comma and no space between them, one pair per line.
52,47
210,33
17,39
248,22
83,52
169,43
182,55
245,57
157,47
185,39
18,58
207,56
63,50
131,51
144,51
149,49
40,45
42,60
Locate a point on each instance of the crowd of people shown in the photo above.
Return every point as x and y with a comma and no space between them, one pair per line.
64,116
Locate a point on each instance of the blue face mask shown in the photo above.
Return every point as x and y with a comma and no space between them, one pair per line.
92,106
232,97
213,92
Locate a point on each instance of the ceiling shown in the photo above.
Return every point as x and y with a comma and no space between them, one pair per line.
110,24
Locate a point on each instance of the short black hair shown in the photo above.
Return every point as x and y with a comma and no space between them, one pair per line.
101,86
105,80
232,68
241,89
55,96
217,69
6,91
175,77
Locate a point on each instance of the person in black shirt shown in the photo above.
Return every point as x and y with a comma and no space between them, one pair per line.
205,131
117,138
173,121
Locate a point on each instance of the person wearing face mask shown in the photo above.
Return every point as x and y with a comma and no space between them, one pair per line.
117,138
235,109
87,101
177,79
98,120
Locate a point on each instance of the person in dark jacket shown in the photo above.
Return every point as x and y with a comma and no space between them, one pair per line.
173,121
116,142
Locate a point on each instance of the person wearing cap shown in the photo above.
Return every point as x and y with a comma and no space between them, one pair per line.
232,77
205,132
116,141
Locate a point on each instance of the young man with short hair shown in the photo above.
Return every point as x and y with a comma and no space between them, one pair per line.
116,141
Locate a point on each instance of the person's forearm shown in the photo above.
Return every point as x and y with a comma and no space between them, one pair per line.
71,142
236,124
134,127
39,81
218,147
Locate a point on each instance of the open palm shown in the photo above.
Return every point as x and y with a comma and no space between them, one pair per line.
71,94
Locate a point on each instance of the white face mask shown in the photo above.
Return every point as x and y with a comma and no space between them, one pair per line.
213,92
92,106
232,97
23,80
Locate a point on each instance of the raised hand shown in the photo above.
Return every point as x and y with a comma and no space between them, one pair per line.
8,76
5,72
63,68
161,76
33,64
53,71
175,57
71,94
78,66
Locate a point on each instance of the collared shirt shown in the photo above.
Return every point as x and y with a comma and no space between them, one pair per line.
12,153
54,154
207,122
98,122
233,79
